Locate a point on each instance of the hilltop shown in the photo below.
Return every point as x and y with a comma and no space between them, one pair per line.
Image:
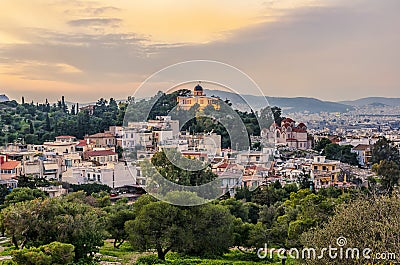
288,105
373,101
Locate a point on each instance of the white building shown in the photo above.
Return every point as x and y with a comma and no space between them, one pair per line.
364,154
102,157
117,175
62,144
253,157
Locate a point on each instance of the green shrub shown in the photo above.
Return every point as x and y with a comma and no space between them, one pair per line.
171,256
216,262
8,262
149,260
55,253
187,262
59,252
32,256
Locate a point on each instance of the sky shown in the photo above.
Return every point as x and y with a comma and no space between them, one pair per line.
82,49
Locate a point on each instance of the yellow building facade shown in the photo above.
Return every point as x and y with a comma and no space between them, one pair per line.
324,173
198,97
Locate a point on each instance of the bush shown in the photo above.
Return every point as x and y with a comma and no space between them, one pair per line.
148,260
7,262
59,252
216,262
187,262
372,223
31,256
55,253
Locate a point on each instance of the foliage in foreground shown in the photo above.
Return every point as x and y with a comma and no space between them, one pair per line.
365,223
67,219
55,253
201,230
231,258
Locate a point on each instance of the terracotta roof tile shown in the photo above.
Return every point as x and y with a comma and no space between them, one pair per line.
10,165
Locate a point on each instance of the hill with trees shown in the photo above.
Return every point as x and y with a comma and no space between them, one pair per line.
34,123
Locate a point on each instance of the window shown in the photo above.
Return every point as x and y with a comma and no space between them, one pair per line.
315,168
324,168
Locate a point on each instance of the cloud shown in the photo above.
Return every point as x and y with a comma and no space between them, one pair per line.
87,22
98,57
101,10
91,11
35,70
340,52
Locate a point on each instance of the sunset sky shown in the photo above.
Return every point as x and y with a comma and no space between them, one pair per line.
328,49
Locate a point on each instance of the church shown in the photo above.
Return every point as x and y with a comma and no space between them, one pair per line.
290,135
197,97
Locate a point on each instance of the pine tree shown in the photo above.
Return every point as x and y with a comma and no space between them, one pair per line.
63,106
31,128
48,125
47,109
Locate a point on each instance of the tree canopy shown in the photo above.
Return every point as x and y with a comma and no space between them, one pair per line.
199,230
372,223
36,222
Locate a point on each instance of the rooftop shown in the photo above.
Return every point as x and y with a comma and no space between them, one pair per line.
362,147
101,153
100,135
65,137
10,165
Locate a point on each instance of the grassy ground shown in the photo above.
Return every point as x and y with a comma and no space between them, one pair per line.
126,256
123,254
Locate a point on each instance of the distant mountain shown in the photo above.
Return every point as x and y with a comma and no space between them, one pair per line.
373,101
288,105
4,98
